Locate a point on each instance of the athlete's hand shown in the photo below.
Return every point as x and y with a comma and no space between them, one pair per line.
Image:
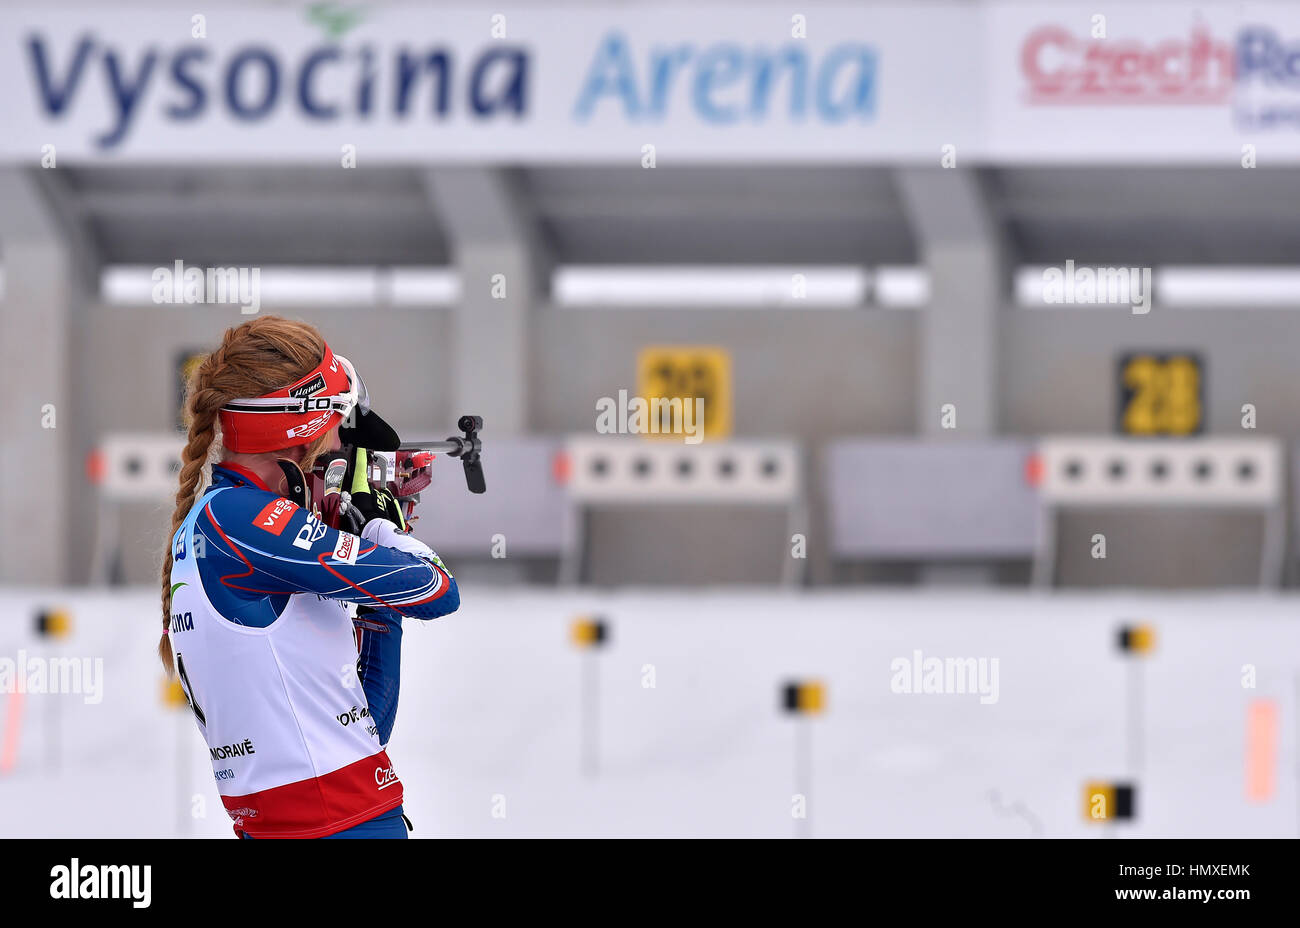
363,502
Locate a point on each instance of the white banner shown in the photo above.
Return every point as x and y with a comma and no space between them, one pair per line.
428,85
921,84
1143,83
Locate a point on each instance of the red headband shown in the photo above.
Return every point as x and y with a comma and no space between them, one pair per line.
294,415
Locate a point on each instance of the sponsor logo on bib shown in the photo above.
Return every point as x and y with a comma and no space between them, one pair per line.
238,815
239,749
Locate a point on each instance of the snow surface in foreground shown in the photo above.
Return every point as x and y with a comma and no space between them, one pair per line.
490,718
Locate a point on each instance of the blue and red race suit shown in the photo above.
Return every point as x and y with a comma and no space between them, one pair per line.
296,718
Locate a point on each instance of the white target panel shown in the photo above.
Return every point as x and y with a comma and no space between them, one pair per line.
637,470
1135,471
140,465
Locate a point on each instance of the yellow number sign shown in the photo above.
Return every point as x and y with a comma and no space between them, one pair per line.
1160,394
666,374
186,362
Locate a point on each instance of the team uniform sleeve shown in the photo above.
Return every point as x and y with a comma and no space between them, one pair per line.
379,665
280,548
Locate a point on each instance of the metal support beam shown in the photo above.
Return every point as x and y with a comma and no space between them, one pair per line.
503,267
959,244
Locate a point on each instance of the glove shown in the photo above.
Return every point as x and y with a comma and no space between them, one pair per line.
360,502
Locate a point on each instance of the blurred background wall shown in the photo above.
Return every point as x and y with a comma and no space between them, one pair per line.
824,146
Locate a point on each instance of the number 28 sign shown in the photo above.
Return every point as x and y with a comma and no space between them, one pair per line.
1161,393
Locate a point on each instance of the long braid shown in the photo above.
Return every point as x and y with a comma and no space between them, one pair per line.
203,403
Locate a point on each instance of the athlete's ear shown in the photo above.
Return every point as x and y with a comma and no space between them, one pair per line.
295,483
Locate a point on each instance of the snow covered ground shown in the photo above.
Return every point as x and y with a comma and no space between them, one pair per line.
488,743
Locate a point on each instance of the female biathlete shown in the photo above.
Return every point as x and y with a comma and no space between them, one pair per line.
294,695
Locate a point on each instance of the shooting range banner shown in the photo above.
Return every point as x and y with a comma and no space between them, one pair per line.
1216,83
424,84
327,82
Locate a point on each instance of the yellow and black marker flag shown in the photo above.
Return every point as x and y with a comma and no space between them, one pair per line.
1137,639
803,697
590,631
1109,802
173,693
53,623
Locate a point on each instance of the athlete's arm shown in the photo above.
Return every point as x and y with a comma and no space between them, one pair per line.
261,544
379,665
